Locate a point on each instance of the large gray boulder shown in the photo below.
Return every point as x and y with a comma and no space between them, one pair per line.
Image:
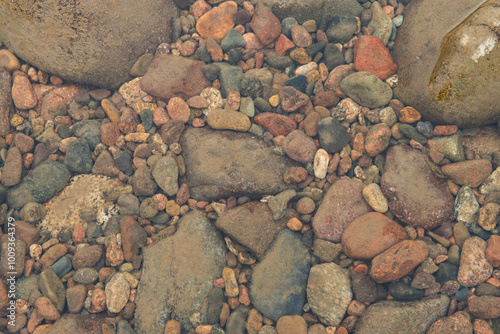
178,275
448,66
90,42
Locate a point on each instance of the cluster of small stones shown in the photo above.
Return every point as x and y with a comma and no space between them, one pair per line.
306,107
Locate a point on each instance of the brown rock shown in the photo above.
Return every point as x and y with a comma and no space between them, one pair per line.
4,299
6,106
13,167
27,232
486,142
46,309
489,216
109,133
371,234
23,142
143,183
301,37
171,131
468,173
377,139
178,109
326,99
87,257
292,99
75,297
170,76
417,195
310,124
484,307
56,97
291,324
265,24
493,250
398,260
216,22
370,54
299,147
105,165
295,175
23,93
342,203
459,323
77,323
474,267
337,75
278,125
133,238
226,119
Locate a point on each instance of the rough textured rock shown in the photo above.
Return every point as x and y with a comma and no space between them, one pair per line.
342,203
224,163
450,73
417,194
181,283
6,105
459,323
77,323
62,37
403,317
170,76
252,225
474,267
278,285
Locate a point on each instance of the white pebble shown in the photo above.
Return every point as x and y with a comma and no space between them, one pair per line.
375,198
320,163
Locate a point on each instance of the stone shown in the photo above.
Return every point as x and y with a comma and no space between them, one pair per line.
398,260
278,125
46,309
117,293
232,40
468,173
332,135
165,173
6,104
342,203
78,157
329,292
492,250
278,285
143,183
292,99
43,183
381,23
133,238
375,198
291,324
466,207
216,22
366,89
371,55
170,76
474,267
413,317
377,139
278,204
8,61
48,44
13,168
321,161
87,257
458,322
299,147
181,284
265,24
229,78
402,291
226,119
333,56
341,29
417,195
451,82
326,250
23,94
371,234
85,276
484,307
78,323
52,288
210,175
251,225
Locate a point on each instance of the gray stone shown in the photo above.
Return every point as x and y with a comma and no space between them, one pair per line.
279,281
451,147
381,23
43,183
165,174
60,37
403,317
52,288
6,105
450,73
180,285
229,78
341,29
85,276
279,203
366,89
78,157
466,206
236,323
329,292
225,163
332,135
142,64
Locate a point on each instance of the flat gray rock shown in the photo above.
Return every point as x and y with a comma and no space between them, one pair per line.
226,163
178,275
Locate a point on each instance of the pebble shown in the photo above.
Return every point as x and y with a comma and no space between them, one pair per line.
332,55
87,257
278,203
484,307
450,146
23,94
165,173
226,119
299,147
402,291
375,198
46,309
366,89
321,161
474,267
265,24
377,139
13,167
468,173
388,266
466,206
8,61
292,99
370,235
332,135
301,37
117,293
489,215
53,254
409,115
291,324
133,238
51,287
341,29
371,55
381,23
218,21
278,125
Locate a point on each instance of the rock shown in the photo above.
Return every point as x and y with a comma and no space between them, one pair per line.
165,173
299,147
301,37
13,168
491,184
458,322
264,24
371,234
402,291
133,238
291,324
454,84
326,250
43,183
278,125
232,40
142,182
226,119
251,225
398,260
381,23
314,10
332,135
377,139
329,292
8,61
23,142
46,309
278,281
170,76
371,55
75,297
466,207
484,307
426,201
23,93
468,173
333,56
342,203
181,284
474,266
413,317
278,204
117,293
229,78
6,105
450,146
321,161
292,99
492,250
366,89
216,22
210,175
78,157
375,198
48,45
77,323
341,29
87,257
52,288
12,265
85,276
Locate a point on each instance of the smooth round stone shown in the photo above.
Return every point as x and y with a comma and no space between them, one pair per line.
62,266
299,147
468,173
78,157
333,56
321,161
447,272
234,56
276,61
402,291
462,294
412,133
298,82
375,198
232,40
366,89
291,324
287,24
341,29
141,66
117,293
425,128
225,119
332,135
388,116
146,118
474,267
85,276
247,106
148,208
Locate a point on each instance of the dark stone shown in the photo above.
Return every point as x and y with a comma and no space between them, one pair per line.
333,56
78,157
447,272
332,135
298,82
402,291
